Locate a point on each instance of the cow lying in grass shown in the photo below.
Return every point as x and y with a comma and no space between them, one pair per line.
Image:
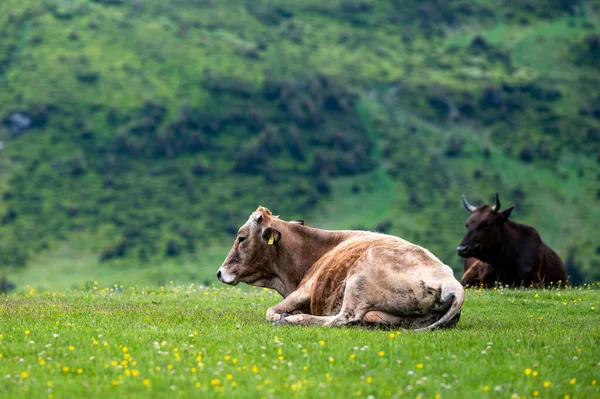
515,252
338,278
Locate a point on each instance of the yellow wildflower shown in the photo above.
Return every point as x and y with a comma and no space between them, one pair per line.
24,374
255,369
527,371
547,384
369,380
146,382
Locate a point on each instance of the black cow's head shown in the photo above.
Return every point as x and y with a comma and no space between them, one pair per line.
484,228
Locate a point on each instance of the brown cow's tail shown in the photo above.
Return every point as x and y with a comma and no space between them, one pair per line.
455,298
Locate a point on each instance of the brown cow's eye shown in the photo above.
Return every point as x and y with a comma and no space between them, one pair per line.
486,227
241,238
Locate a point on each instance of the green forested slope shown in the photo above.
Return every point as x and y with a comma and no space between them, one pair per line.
138,135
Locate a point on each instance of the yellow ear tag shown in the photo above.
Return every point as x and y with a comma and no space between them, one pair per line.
271,239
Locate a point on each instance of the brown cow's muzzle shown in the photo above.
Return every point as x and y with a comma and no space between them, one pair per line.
226,277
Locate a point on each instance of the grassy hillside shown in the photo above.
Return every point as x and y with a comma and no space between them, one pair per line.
194,341
136,136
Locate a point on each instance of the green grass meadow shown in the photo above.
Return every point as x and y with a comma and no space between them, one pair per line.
194,341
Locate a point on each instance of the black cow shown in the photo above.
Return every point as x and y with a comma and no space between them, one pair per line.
515,251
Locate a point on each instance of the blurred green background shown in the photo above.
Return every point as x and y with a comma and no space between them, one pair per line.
136,136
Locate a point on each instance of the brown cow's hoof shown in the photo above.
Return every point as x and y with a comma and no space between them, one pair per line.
281,322
284,315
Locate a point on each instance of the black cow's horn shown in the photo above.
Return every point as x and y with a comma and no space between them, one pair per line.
496,207
468,206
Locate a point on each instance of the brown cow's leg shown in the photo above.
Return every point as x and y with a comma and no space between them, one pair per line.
307,320
352,311
296,300
384,304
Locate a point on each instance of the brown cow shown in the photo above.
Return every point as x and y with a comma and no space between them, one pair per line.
478,274
337,278
516,252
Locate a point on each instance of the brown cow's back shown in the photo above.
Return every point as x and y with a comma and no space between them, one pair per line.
328,274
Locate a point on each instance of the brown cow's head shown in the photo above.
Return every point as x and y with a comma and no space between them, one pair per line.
253,255
484,229
479,273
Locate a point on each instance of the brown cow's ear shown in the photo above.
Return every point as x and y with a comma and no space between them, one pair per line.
271,236
300,222
506,213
